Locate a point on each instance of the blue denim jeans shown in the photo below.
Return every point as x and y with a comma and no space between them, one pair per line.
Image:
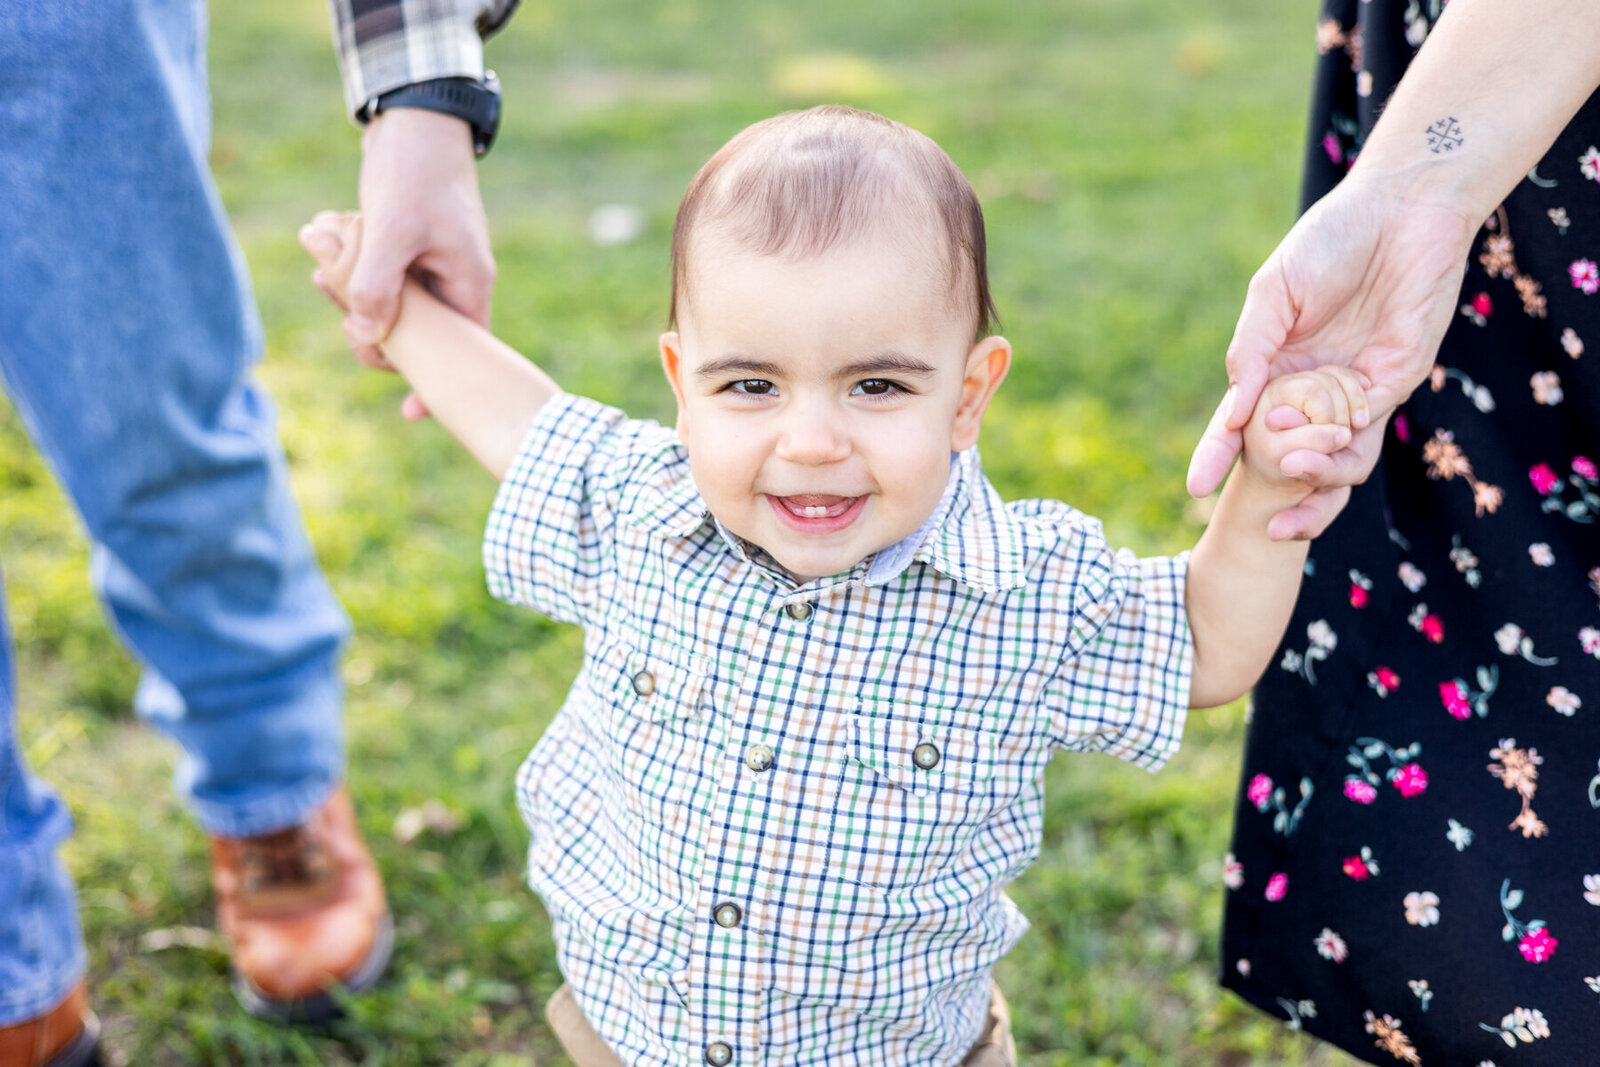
127,335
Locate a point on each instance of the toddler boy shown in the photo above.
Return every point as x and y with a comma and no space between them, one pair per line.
825,665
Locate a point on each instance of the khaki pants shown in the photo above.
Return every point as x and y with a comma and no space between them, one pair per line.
585,1048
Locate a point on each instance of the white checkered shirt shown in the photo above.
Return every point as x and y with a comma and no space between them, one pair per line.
853,764
384,44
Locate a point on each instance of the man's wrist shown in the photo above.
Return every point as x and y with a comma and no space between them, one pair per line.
477,103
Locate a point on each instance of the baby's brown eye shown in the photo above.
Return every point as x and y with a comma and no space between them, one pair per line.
875,386
753,386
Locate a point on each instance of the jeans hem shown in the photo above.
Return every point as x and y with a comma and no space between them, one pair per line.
266,815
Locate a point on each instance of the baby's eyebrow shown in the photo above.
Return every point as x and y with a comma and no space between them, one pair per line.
887,363
737,364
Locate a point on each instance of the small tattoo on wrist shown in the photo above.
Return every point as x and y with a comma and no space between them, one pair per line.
1445,136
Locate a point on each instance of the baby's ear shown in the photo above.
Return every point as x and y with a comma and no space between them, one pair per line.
987,365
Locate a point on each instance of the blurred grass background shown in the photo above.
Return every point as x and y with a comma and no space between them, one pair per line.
1137,160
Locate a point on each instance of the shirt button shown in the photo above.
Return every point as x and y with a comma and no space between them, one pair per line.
925,756
718,1054
798,612
644,683
727,915
758,758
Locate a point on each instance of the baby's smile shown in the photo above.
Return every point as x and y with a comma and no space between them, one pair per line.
817,512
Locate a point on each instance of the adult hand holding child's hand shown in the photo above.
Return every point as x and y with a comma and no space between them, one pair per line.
1364,280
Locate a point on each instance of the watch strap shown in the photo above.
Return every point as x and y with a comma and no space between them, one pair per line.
476,103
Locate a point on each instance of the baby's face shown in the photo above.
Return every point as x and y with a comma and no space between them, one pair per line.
820,400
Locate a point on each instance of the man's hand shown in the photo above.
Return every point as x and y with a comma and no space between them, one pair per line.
1364,280
422,215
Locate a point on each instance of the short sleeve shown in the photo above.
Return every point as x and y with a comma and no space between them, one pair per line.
1123,685
550,539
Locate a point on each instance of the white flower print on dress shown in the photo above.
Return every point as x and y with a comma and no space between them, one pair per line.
1541,554
1412,578
1523,1024
1563,700
1232,872
1458,836
1546,388
1420,990
1422,909
1571,342
1321,642
1466,562
1513,642
1591,889
1330,946
1589,639
1297,1011
1589,163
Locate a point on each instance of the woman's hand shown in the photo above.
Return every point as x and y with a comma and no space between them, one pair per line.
1366,280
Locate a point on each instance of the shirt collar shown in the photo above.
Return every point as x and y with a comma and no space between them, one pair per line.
970,536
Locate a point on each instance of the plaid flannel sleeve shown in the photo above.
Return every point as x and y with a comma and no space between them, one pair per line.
547,543
384,44
1123,688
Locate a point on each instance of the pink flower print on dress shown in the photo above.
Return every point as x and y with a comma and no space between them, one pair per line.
1537,946
1402,429
1360,790
1585,276
1533,938
1383,680
1277,886
1357,868
1330,145
1260,791
1584,467
1411,780
1477,311
1433,628
1543,478
1461,700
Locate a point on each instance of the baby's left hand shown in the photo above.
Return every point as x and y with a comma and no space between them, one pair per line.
1301,422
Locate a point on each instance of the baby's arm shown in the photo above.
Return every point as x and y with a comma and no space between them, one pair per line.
1242,582
480,389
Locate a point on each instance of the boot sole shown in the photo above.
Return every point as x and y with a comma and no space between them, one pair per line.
319,1007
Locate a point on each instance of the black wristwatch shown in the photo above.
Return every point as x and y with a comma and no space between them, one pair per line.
475,102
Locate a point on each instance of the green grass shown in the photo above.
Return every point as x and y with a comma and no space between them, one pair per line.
1137,159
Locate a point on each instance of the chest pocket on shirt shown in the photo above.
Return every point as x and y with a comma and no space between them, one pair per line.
651,730
911,796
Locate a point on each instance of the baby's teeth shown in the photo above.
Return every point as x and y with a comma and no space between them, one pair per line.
815,511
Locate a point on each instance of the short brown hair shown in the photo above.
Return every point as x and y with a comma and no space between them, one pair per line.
802,182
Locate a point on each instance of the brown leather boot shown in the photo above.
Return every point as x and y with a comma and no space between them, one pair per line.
64,1036
304,912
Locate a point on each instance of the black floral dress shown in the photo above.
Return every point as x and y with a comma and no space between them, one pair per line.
1415,869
